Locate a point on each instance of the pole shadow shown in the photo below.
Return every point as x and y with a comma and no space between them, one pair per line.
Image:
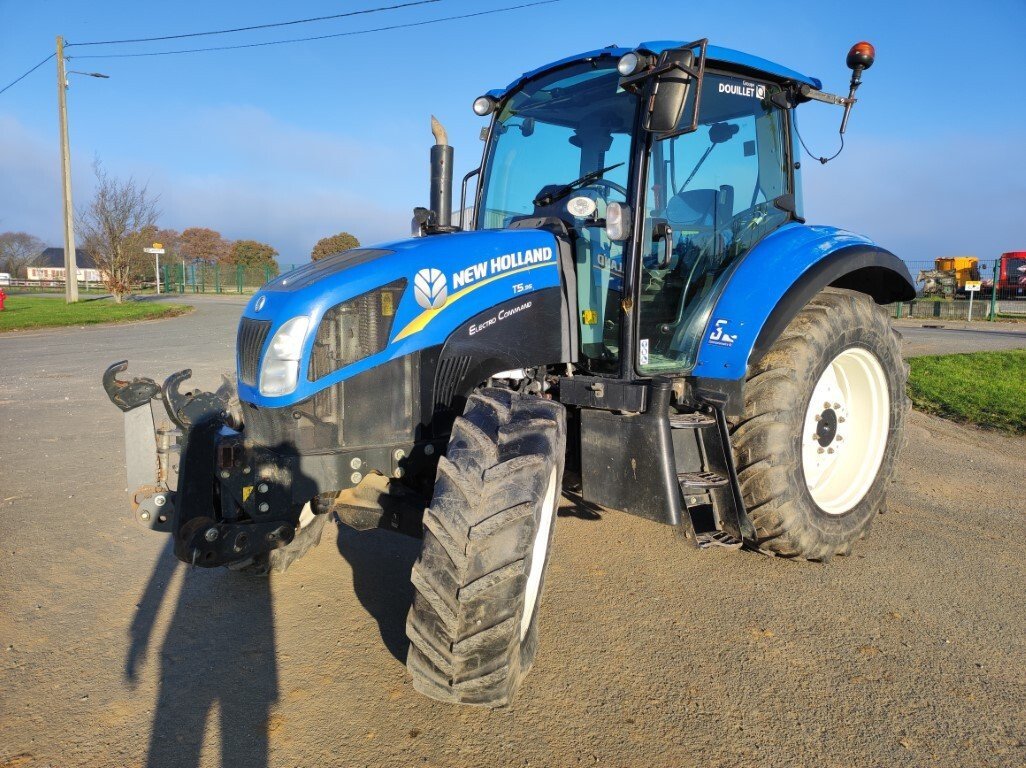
219,651
381,563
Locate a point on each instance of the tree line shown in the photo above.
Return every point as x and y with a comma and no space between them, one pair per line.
122,219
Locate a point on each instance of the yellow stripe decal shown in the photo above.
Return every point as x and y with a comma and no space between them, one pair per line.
419,323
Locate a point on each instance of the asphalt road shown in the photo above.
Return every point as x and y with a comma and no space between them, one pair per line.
925,337
909,653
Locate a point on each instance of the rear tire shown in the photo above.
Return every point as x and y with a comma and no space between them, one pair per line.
824,421
473,626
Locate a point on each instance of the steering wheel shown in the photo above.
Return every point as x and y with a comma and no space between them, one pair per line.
609,186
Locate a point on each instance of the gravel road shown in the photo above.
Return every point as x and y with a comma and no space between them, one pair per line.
912,652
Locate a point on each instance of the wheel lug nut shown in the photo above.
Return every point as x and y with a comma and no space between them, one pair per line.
837,406
819,450
830,450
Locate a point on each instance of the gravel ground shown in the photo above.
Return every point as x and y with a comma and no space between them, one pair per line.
909,653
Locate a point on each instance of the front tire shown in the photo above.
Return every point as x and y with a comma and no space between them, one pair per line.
473,626
824,421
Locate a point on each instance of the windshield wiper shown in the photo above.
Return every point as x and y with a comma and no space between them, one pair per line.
566,189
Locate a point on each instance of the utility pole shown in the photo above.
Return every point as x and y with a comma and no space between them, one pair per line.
70,262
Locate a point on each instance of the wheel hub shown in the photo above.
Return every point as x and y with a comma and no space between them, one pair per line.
826,427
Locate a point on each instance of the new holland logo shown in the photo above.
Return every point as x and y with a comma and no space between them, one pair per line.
259,303
430,288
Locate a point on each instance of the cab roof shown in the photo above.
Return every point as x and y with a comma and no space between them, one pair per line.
714,53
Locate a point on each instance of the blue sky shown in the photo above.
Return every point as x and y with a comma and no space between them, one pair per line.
286,144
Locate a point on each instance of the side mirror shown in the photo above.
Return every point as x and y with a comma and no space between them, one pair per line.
670,90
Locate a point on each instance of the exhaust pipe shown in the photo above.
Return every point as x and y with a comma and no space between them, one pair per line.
441,178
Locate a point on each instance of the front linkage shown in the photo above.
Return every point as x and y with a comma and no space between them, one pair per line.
195,476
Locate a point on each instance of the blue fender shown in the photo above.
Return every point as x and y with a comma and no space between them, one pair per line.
778,277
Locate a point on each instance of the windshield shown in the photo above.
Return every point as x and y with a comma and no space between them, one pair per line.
561,146
556,129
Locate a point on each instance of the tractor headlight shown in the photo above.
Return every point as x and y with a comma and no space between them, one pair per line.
279,373
628,64
484,105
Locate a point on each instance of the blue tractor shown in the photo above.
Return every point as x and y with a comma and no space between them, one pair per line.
631,313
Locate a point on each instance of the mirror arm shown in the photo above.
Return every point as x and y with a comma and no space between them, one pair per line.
808,93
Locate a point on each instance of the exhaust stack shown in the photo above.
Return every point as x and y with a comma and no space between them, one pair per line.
441,178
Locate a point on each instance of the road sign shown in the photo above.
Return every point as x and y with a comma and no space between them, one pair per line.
973,285
153,250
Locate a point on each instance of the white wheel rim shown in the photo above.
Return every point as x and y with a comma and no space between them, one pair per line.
845,431
538,553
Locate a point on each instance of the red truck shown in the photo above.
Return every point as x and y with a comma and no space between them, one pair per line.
1012,274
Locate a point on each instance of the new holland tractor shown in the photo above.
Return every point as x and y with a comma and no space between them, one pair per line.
632,314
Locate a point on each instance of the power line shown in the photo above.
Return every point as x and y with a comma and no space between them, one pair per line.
317,37
19,79
258,26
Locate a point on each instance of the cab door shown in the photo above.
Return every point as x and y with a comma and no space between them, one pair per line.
710,196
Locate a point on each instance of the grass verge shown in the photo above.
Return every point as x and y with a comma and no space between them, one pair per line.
25,313
983,388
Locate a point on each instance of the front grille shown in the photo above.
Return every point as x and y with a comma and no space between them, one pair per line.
355,329
252,335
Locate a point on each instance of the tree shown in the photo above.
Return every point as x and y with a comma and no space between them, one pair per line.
18,250
202,244
114,228
171,240
326,246
250,253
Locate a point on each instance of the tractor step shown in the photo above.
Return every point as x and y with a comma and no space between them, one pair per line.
709,539
691,420
690,481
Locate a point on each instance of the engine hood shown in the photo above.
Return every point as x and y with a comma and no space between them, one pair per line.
449,279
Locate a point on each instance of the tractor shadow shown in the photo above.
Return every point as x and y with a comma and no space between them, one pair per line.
381,563
573,505
218,655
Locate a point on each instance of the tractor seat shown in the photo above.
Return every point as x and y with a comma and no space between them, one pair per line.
701,210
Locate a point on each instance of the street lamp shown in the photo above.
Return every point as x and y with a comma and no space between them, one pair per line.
70,261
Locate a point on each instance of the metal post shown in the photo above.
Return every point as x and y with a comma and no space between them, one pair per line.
217,278
238,276
70,262
971,294
157,270
993,291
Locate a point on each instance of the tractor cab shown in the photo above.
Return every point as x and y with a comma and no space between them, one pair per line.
656,217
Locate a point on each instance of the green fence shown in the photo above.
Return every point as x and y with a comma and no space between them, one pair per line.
215,278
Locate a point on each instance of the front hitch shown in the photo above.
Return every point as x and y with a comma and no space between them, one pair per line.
194,476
